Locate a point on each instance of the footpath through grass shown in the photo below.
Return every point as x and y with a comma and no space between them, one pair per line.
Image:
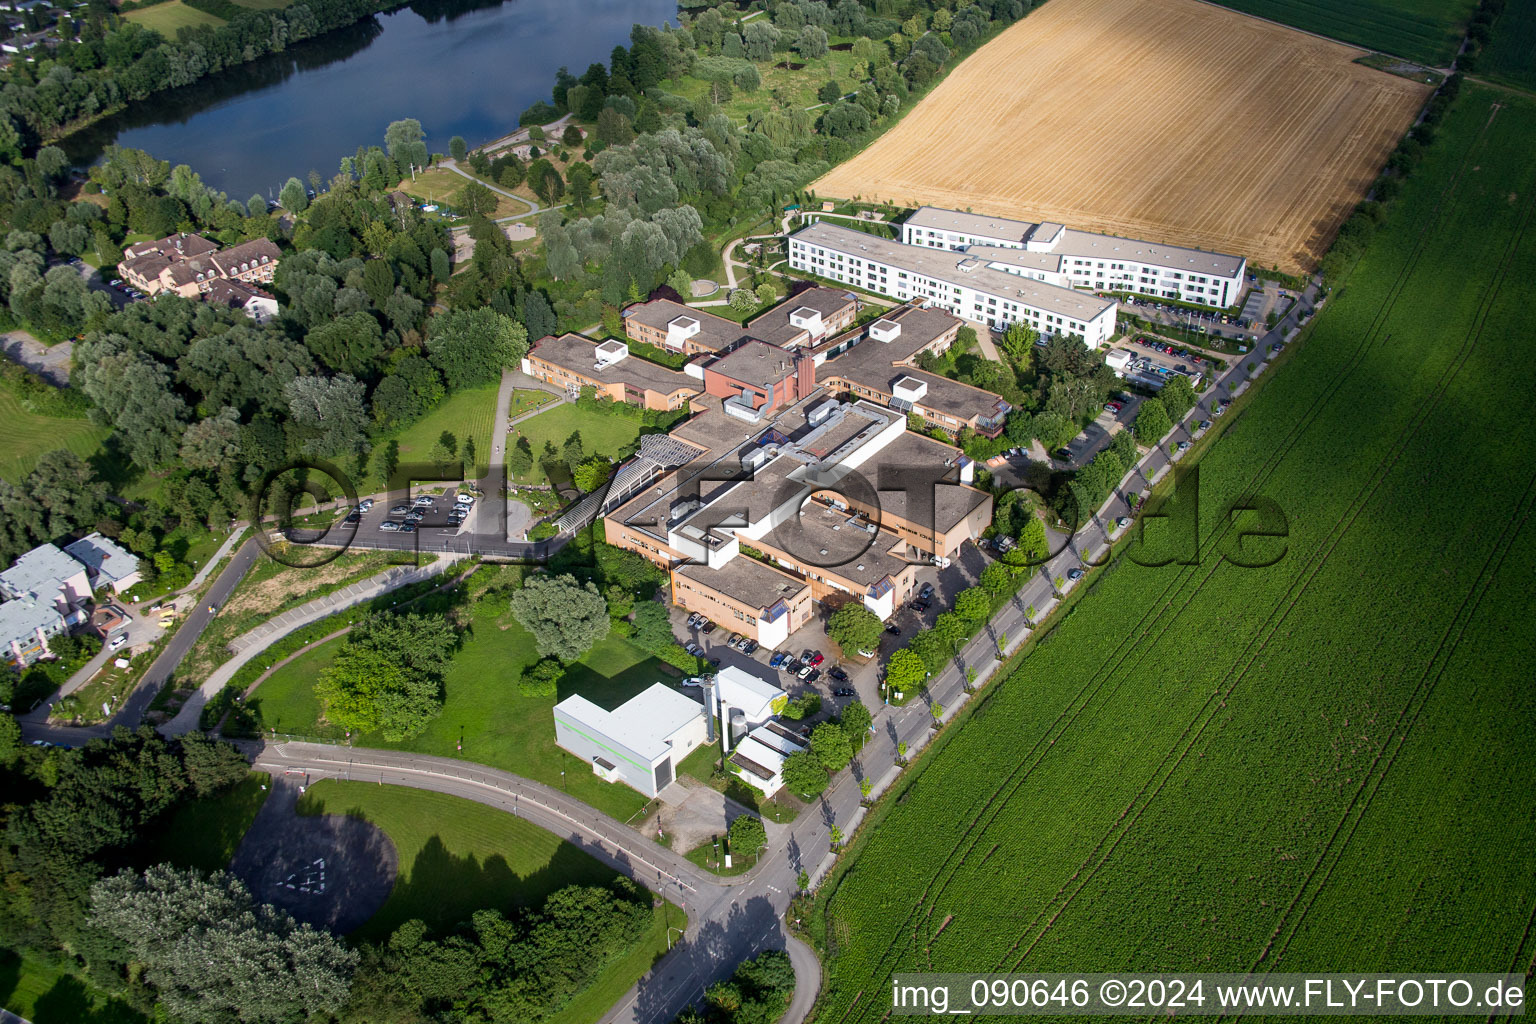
485,719
1297,767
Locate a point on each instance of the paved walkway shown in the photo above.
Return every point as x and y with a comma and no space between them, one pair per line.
50,362
213,563
248,645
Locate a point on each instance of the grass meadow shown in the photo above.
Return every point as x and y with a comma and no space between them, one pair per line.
485,719
167,17
1298,767
27,435
1510,56
601,434
457,856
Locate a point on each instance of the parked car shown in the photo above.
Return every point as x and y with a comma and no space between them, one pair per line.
925,591
817,658
709,627
1123,522
714,662
1203,425
352,520
776,660
389,526
1183,446
805,656
466,497
117,641
836,672
750,647
425,501
734,641
415,516
693,681
1075,574
692,648
815,675
804,671
407,527
919,605
893,629
365,505
399,510
845,691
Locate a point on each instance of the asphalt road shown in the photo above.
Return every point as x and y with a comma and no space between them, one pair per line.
729,919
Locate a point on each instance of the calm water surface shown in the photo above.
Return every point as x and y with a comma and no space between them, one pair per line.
460,67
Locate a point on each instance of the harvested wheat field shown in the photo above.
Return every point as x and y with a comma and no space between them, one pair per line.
1168,120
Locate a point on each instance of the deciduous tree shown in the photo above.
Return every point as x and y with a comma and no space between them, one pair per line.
565,617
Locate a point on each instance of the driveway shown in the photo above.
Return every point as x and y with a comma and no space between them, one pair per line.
50,362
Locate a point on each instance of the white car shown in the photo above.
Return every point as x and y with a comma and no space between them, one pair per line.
465,498
389,526
117,641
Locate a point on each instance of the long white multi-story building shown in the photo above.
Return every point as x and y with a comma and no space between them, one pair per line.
1062,256
968,286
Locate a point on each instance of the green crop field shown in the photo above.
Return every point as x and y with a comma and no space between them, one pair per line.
26,435
484,718
1309,766
1510,56
166,18
1428,31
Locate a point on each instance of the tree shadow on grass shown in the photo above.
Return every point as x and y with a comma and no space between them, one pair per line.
444,889
70,1002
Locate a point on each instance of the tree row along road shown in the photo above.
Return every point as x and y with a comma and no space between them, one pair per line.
735,918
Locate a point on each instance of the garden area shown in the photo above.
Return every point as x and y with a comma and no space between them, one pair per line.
466,417
601,433
34,425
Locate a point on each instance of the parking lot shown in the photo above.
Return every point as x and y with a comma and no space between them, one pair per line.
390,523
1096,436
863,675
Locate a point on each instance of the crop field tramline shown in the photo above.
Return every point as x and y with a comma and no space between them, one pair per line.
1143,637
1193,636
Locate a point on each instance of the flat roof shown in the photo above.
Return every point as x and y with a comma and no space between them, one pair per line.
103,556
863,364
944,265
22,618
643,723
969,223
774,326
741,689
822,537
755,362
714,331
40,571
579,355
746,580
952,502
1081,244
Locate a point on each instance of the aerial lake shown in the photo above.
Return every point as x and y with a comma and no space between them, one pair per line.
460,67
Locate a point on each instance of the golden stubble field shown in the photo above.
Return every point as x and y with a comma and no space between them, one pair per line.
1167,120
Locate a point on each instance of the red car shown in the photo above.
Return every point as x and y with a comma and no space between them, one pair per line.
816,659
1113,406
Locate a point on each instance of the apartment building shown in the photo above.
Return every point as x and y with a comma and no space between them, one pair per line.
189,264
45,591
677,328
880,363
1058,255
806,318
966,286
573,362
746,595
799,492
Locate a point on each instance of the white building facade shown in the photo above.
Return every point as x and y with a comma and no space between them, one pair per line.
1055,254
639,743
967,286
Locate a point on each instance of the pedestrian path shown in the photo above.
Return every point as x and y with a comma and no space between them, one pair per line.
248,645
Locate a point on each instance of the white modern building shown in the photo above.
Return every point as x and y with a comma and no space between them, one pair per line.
45,591
740,690
106,563
967,286
1056,254
640,743
759,758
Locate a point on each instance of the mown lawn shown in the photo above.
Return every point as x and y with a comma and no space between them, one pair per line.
484,718
438,185
167,17
466,414
1298,766
45,994
204,833
601,434
25,435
